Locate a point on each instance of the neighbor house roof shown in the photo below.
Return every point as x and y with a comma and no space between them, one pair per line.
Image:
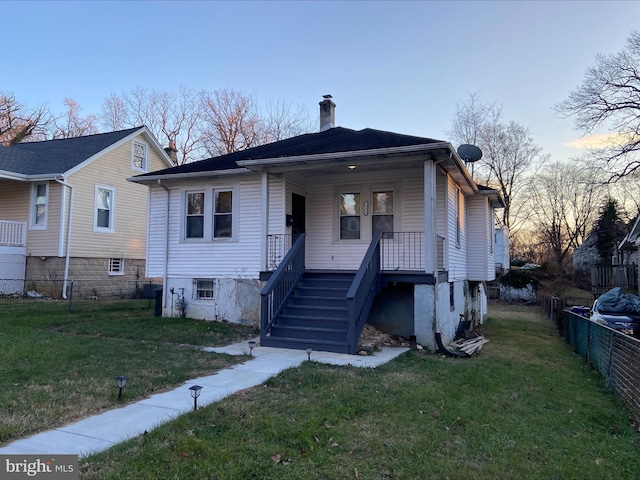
55,157
334,140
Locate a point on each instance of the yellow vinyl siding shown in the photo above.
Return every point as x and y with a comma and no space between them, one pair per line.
45,242
128,239
15,205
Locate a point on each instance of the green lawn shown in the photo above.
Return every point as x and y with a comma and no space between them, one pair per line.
57,367
525,408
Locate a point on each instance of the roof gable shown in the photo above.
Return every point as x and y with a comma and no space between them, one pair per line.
51,157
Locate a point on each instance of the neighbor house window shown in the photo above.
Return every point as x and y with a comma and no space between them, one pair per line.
223,214
139,157
39,201
382,214
204,289
104,207
116,266
349,216
195,215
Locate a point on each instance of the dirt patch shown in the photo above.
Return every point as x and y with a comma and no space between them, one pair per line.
372,340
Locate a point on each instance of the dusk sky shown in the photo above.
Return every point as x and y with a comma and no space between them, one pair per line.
396,66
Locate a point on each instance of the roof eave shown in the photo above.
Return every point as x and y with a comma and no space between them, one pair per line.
189,175
325,158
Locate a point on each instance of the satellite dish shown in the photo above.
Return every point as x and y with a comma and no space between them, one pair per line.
469,153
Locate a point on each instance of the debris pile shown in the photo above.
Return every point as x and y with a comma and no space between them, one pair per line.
469,346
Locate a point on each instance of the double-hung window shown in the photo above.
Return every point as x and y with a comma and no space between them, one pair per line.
382,214
350,211
139,156
209,214
39,201
223,214
194,227
104,209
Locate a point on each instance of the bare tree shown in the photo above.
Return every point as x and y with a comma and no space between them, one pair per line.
564,205
509,154
170,116
18,124
282,121
71,124
609,98
231,122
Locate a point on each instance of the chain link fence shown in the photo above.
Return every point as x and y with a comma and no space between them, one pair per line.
615,355
32,294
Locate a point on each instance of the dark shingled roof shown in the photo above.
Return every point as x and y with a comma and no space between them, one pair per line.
56,156
334,140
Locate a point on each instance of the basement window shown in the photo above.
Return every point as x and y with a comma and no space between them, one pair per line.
204,288
452,296
116,266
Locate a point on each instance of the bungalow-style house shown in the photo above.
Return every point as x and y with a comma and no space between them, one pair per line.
67,211
312,236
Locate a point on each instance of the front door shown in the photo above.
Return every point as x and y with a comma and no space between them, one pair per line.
298,216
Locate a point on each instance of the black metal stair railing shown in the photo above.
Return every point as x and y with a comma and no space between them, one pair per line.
363,291
278,289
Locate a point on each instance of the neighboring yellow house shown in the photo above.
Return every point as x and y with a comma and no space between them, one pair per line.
68,213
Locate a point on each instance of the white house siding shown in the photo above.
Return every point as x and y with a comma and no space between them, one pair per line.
277,201
457,253
480,259
233,265
448,318
442,219
323,249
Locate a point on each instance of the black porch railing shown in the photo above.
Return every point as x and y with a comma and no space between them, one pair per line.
398,251
281,284
363,291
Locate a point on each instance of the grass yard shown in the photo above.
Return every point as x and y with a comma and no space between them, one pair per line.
526,407
57,367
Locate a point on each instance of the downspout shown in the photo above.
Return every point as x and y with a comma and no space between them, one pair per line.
166,245
434,252
68,246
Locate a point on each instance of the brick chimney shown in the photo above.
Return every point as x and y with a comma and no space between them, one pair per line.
172,151
327,113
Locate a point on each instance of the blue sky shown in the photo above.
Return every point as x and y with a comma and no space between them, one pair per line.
397,66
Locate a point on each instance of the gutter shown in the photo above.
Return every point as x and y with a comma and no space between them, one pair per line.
187,175
68,246
166,245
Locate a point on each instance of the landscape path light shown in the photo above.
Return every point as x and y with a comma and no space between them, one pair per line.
121,382
309,353
195,393
252,345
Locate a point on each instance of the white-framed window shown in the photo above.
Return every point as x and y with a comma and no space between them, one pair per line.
382,213
116,266
209,214
139,156
222,213
104,209
203,288
350,215
194,222
39,203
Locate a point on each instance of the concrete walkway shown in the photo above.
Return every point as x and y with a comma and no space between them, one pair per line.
100,432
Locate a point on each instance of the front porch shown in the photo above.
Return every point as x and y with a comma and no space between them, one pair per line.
326,309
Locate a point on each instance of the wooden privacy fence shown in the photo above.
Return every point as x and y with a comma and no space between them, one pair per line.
606,277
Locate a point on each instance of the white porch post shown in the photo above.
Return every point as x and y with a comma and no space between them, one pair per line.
430,237
264,226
